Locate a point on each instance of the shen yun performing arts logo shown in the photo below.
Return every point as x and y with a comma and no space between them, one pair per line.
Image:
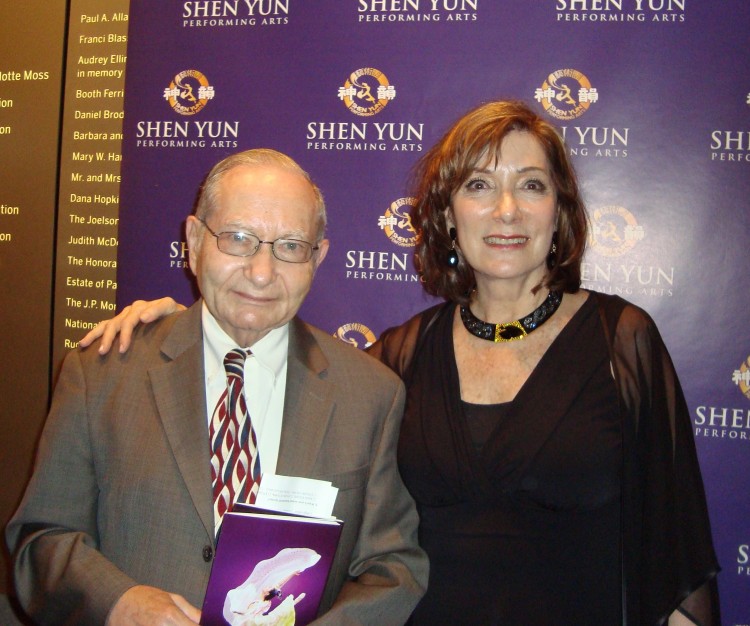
382,266
234,13
731,145
365,93
721,422
741,378
566,95
356,334
396,223
388,12
662,11
188,94
615,233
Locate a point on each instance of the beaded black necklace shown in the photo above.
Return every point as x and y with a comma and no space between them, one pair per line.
517,329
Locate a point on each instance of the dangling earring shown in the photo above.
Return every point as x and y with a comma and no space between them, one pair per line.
552,256
452,258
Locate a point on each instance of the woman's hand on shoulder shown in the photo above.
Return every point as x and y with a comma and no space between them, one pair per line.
140,312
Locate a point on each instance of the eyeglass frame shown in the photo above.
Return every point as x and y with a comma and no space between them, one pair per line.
312,248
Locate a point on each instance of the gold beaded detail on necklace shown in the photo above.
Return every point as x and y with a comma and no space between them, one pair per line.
517,329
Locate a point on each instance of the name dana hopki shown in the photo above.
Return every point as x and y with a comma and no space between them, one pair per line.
96,199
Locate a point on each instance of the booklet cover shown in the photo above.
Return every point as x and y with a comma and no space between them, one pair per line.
270,568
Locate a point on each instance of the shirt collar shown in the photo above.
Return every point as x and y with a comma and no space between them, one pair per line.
270,351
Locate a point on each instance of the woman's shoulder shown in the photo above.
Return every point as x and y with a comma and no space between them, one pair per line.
630,330
619,312
397,344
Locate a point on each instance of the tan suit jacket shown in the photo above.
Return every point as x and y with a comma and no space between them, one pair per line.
121,491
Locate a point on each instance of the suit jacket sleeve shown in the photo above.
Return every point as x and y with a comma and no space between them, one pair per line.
121,491
60,574
387,571
342,417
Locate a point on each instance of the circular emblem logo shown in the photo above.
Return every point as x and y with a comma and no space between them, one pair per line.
396,223
189,92
367,92
358,335
741,378
614,231
566,94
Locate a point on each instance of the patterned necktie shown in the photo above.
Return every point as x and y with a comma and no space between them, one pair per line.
235,462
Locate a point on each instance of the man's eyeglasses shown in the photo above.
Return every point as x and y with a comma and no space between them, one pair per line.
237,243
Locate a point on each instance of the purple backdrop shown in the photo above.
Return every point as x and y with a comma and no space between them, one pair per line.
650,96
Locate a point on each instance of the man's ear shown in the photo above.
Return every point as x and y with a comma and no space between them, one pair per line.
320,254
194,235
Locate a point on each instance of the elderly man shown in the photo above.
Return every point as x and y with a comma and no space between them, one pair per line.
118,522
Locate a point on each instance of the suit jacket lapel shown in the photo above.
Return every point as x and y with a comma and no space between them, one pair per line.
308,404
180,394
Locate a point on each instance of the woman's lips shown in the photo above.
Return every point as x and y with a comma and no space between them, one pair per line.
497,240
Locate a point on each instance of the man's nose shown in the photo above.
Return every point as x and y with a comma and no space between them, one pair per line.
261,267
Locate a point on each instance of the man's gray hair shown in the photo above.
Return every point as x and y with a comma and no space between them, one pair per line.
257,157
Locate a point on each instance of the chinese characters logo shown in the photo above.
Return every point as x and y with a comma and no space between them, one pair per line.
566,94
396,223
189,92
355,334
741,378
366,92
614,231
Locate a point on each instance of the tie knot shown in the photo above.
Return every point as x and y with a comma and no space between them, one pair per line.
234,361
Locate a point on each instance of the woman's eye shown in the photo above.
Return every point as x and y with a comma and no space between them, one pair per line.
476,184
535,185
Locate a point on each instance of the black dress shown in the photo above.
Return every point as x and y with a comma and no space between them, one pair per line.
519,503
667,558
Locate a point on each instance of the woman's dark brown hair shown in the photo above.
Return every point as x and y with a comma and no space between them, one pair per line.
446,166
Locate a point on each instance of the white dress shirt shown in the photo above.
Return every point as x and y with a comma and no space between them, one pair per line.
265,382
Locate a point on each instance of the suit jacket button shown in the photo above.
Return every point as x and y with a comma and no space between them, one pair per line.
208,553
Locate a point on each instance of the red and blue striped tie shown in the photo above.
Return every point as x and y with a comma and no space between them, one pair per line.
235,462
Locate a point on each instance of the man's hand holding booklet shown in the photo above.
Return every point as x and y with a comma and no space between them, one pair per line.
273,558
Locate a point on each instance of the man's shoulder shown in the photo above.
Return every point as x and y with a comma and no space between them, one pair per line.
148,340
347,358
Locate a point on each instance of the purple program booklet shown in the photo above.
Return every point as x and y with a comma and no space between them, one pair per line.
270,568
